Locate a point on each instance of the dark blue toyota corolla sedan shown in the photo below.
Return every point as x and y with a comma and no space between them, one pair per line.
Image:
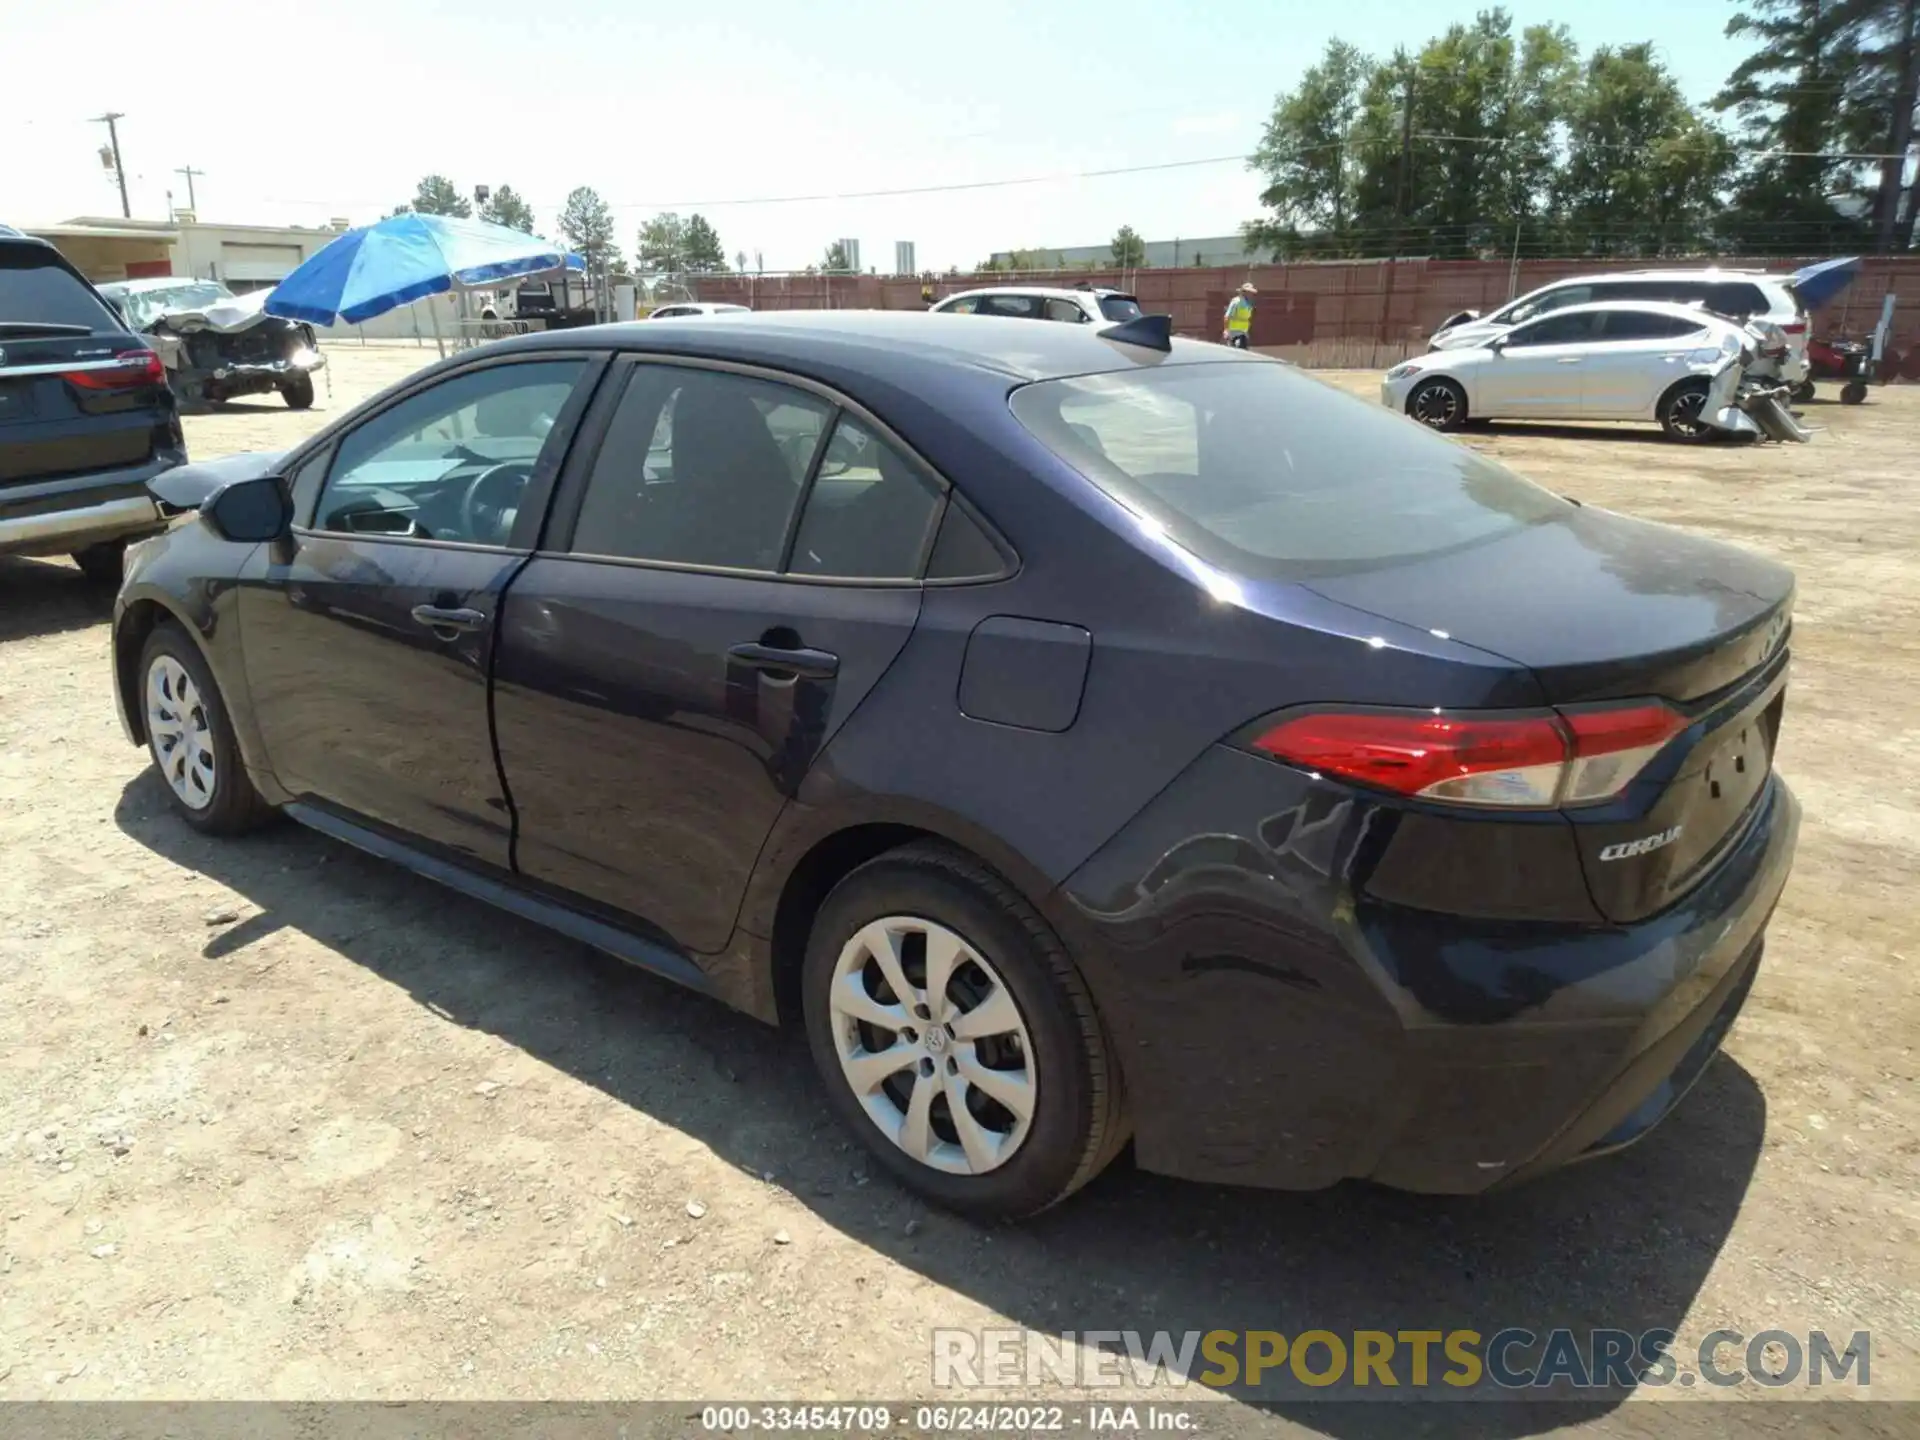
1084,736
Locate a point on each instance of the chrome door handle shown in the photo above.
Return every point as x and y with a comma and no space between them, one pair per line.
814,664
1569,360
439,619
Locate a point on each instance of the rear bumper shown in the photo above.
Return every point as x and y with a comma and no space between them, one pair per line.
55,517
1280,1028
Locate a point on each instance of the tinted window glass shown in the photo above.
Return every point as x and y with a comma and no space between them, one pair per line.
963,307
700,467
1259,470
1120,307
962,550
1554,330
869,513
1556,299
37,289
1628,325
1065,310
1739,300
450,462
1023,306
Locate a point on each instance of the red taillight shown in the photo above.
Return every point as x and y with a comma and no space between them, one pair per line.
1533,761
1795,327
129,368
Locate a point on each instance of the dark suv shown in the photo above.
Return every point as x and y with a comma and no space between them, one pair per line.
86,418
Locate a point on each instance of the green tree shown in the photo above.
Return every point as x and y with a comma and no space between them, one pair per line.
663,244
1303,154
1792,95
1644,172
1884,107
704,253
505,207
1129,250
587,223
435,195
836,262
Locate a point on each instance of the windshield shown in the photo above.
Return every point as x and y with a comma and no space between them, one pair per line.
143,307
1119,307
1266,472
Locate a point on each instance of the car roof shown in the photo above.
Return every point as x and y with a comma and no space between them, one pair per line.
1051,292
875,341
1709,273
155,282
11,236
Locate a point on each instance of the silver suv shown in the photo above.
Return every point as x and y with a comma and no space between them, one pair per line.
1741,295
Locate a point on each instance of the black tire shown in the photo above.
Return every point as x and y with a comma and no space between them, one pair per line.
1679,411
298,392
1079,1120
1853,392
1803,392
233,806
1438,403
102,564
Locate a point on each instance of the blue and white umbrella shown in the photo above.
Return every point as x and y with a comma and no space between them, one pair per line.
376,268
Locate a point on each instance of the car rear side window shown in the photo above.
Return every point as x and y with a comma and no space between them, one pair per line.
963,549
700,467
1065,310
1024,307
869,514
1265,472
1119,307
1739,300
963,307
36,289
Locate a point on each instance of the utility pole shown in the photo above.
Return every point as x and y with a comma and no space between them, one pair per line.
119,170
190,172
1406,164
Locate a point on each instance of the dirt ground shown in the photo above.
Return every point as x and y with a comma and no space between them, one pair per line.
277,1120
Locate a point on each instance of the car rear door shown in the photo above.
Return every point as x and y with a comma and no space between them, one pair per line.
366,645
732,562
80,397
1540,371
1633,359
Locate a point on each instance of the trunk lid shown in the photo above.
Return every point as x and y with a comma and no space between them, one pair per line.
1601,607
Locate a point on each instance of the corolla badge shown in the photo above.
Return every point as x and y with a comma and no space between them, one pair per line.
1646,844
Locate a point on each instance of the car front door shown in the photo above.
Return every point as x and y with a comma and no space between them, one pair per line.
1632,360
1538,372
367,643
725,577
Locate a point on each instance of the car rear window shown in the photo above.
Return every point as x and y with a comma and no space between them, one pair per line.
35,288
1119,307
1264,472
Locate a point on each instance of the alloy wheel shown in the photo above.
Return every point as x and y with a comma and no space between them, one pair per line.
933,1045
1683,415
180,733
1435,405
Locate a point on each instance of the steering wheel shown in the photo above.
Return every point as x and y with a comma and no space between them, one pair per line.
518,472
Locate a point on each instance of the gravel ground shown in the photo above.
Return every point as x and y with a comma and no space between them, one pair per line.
277,1120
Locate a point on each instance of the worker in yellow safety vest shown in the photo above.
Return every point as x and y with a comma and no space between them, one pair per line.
1240,317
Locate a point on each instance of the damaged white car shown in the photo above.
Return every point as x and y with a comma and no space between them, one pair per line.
1693,373
216,345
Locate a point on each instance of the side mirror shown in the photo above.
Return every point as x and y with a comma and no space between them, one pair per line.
1497,344
249,511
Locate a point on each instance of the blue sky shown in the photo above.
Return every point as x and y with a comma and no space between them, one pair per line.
301,112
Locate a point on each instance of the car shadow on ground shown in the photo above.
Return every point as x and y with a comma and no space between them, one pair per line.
44,597
1624,1242
1524,429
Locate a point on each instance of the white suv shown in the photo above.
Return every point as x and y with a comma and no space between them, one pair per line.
1741,295
1040,302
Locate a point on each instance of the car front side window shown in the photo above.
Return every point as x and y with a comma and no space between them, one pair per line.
449,462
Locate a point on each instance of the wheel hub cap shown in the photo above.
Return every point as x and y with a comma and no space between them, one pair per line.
933,1045
179,732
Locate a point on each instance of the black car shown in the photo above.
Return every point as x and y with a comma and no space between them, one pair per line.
218,346
1084,735
86,418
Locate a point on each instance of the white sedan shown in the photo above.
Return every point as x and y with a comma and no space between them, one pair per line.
682,309
1644,360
